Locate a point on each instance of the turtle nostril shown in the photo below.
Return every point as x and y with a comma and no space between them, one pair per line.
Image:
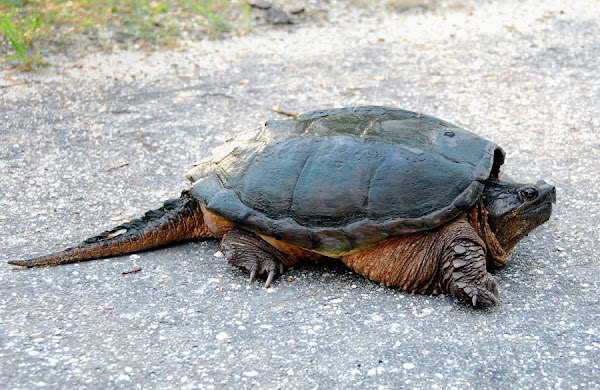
553,194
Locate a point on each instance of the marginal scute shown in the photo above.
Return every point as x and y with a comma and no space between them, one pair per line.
339,180
365,232
291,231
330,241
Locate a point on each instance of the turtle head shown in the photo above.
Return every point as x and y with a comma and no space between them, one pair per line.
514,210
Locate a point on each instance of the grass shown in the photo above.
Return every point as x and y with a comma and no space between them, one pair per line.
28,27
21,36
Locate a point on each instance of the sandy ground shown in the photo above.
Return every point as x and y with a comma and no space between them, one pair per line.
103,137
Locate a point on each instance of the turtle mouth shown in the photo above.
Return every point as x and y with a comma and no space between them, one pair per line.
523,222
544,209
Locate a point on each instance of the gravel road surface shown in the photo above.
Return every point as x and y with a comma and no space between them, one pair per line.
103,137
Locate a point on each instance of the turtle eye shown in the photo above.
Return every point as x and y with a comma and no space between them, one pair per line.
529,193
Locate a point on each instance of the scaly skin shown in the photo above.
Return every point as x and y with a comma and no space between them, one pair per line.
450,259
464,273
178,219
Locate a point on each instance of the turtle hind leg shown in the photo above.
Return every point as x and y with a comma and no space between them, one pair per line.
178,219
464,274
248,252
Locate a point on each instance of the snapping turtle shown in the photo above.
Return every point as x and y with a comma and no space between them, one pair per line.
405,199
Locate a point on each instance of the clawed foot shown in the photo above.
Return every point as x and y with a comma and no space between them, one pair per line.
481,293
248,252
465,274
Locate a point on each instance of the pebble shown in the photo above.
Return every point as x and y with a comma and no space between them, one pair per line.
222,336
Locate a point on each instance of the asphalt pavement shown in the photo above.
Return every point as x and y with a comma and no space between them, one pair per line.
95,140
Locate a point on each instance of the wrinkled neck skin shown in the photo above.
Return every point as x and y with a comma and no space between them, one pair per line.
496,254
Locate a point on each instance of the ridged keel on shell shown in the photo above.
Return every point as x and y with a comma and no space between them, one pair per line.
339,180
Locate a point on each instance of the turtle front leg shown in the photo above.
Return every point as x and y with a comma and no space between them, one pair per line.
248,252
464,274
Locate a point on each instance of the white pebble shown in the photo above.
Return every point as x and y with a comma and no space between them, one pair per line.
222,336
376,371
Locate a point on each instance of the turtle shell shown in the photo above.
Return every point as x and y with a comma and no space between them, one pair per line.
338,180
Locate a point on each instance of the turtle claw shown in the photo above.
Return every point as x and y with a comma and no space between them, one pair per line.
270,278
495,300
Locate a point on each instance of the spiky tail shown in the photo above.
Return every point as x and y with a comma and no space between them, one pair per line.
178,219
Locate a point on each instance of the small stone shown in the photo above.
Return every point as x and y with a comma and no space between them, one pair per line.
408,366
117,233
222,336
459,249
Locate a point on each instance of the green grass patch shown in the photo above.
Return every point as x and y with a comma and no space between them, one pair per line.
21,35
28,27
